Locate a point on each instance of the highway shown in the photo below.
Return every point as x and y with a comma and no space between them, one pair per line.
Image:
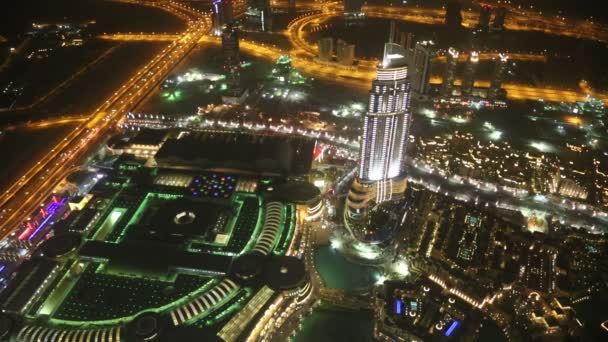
304,53
46,123
26,194
516,19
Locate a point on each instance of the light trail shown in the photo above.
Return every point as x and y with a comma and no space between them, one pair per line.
25,195
47,123
143,37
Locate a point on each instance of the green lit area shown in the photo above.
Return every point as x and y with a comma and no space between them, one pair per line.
155,248
229,308
284,73
98,296
109,223
172,95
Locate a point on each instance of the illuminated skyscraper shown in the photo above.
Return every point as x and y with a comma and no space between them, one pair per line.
222,15
420,66
387,122
385,132
450,72
497,76
469,73
218,21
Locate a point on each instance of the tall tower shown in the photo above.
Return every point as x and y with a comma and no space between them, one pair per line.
227,11
420,66
383,142
450,72
497,76
218,20
469,73
231,54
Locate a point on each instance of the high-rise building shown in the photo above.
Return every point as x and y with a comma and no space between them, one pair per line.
345,53
352,7
453,17
406,39
485,13
500,67
265,15
420,66
499,18
231,55
386,123
450,72
469,73
259,15
539,268
326,48
217,18
222,15
383,142
228,11
467,245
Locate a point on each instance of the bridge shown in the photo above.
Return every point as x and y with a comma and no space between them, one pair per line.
345,299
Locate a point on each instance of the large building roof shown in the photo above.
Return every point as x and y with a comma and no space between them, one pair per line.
272,155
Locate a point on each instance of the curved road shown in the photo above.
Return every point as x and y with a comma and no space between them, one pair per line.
25,195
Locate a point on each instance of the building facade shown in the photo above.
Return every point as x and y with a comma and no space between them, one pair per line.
420,66
345,53
469,73
450,72
380,177
326,48
231,54
500,67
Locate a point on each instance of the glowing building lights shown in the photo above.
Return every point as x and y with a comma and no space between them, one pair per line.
386,124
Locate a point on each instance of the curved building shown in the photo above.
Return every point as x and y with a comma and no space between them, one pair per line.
385,132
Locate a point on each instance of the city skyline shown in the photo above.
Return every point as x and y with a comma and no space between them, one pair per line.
281,171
